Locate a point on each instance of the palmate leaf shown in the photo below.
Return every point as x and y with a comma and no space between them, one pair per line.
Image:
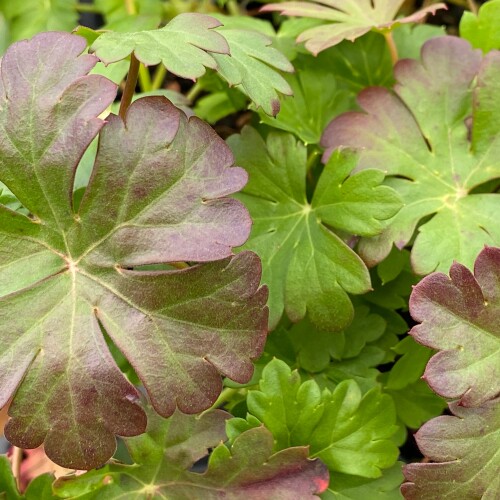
419,136
464,452
307,266
349,432
184,46
164,455
189,43
347,19
157,195
460,316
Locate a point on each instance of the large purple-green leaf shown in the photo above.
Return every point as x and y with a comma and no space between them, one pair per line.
158,194
460,317
437,138
163,458
347,19
463,449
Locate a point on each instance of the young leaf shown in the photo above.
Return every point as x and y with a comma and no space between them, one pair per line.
147,14
347,487
163,458
347,19
158,194
464,449
307,266
348,431
8,488
419,137
482,29
460,316
184,46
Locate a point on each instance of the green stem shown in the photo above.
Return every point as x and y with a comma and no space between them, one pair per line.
392,46
144,79
472,7
159,77
130,7
130,84
85,7
194,91
312,158
233,8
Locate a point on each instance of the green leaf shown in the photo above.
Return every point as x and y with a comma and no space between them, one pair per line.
415,403
409,38
481,30
29,17
316,348
460,317
316,99
158,194
307,266
423,139
185,46
347,487
348,431
463,453
351,18
8,488
164,455
252,68
393,265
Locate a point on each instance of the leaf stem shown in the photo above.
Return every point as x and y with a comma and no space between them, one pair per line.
472,6
128,91
130,7
144,79
17,458
392,46
158,77
194,91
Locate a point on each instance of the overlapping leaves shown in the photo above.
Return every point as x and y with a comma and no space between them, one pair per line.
349,432
189,43
164,456
439,143
460,316
158,194
347,19
307,266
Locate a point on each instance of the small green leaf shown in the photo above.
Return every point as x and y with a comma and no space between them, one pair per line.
8,488
482,29
347,487
349,432
307,266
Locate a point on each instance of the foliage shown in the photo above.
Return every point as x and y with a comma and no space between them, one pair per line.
460,316
136,341
351,18
437,142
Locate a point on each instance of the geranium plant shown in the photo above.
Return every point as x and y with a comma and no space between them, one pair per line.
260,309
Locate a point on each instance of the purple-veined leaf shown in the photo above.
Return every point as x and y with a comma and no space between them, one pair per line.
437,141
164,455
347,19
158,194
460,317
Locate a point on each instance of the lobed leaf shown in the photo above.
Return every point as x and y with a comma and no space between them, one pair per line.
157,194
184,46
349,432
463,449
347,19
164,455
460,317
436,141
481,29
308,268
